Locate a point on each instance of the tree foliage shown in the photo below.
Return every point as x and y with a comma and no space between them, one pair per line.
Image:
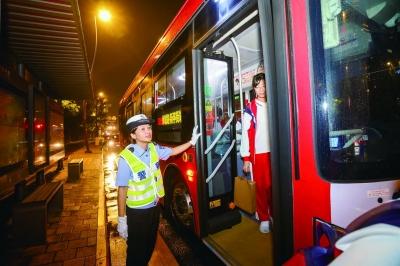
97,114
71,108
73,128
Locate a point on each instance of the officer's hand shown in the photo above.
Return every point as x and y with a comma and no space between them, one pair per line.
195,136
123,227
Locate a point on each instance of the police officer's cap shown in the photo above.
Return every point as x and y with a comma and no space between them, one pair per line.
136,121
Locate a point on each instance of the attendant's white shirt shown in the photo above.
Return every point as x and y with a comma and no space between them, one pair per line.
262,138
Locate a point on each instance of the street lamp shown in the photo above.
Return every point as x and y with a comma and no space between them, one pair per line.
104,16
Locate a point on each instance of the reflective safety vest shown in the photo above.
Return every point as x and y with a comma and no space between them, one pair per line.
147,181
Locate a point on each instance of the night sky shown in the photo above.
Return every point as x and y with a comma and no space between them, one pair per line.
125,42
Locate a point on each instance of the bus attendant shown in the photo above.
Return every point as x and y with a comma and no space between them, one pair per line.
255,150
140,186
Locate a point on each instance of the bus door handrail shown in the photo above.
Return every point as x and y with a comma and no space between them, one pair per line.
220,134
221,162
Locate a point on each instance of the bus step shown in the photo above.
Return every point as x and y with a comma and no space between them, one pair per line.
224,221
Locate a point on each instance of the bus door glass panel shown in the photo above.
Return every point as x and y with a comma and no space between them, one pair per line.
39,152
356,66
13,130
251,62
216,96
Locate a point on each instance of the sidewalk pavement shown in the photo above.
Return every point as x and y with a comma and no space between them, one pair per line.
79,236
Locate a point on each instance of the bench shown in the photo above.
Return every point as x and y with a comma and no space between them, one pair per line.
29,219
75,168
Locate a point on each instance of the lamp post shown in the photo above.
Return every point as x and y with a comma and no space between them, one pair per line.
105,16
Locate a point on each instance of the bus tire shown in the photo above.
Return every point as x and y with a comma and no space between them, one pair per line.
178,207
181,205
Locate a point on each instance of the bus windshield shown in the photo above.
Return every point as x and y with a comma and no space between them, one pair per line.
356,86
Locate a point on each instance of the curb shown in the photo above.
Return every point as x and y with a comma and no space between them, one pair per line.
102,253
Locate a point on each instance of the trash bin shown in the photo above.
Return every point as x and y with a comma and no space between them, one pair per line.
75,168
96,141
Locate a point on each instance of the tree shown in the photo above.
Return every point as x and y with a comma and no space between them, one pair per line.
98,113
71,108
72,120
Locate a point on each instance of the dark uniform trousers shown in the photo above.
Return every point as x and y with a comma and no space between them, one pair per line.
142,234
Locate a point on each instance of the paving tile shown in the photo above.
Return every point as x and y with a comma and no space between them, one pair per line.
57,246
64,230
72,208
68,218
53,238
75,262
55,264
77,243
58,225
92,241
78,212
83,217
79,228
74,222
90,261
87,234
94,226
86,200
90,221
92,211
86,251
42,259
68,254
70,236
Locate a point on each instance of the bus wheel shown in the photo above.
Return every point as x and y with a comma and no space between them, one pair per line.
181,205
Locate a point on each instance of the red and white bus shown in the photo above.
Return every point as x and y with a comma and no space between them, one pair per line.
332,72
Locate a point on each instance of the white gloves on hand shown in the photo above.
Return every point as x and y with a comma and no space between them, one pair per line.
195,136
123,227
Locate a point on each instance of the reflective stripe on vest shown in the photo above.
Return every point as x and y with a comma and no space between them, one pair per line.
147,181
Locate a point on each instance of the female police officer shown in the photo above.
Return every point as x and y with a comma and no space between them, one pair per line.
140,186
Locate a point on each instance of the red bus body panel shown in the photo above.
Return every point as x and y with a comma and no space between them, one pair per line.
177,161
311,194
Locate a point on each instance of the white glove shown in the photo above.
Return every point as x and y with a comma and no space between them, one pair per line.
195,136
123,227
